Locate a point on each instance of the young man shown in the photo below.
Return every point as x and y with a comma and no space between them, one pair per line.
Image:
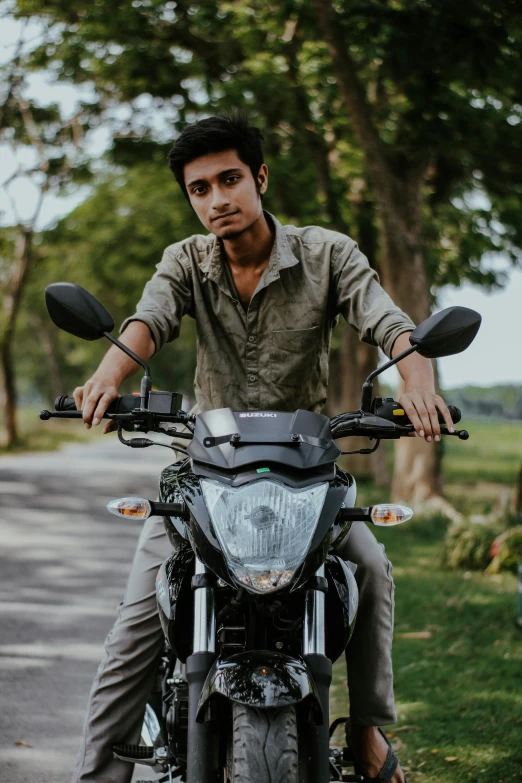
265,298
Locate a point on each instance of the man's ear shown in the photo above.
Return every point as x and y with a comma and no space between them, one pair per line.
262,178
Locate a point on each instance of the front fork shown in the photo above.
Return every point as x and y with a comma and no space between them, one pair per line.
202,750
320,667
202,755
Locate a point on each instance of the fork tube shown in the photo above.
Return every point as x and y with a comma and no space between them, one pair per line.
202,748
314,630
204,615
320,667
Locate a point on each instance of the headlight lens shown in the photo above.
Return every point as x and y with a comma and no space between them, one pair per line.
264,528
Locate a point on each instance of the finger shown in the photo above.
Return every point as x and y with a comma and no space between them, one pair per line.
411,412
434,418
423,416
101,407
441,405
110,426
89,406
78,397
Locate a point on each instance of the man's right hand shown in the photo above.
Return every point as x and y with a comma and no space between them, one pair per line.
93,399
95,396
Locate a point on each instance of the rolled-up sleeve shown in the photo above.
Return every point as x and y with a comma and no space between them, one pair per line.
167,297
362,301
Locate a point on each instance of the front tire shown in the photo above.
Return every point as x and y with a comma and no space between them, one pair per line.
264,746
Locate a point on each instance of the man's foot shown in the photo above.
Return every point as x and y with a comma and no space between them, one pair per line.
370,750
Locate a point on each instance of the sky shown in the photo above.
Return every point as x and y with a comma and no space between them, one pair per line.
494,357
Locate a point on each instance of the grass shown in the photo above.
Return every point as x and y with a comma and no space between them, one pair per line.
458,684
492,454
37,435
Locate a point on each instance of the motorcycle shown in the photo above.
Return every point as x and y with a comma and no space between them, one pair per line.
255,604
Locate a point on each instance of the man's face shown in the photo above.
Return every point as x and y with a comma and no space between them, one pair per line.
223,193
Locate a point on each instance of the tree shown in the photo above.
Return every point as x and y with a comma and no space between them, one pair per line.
55,143
412,85
110,245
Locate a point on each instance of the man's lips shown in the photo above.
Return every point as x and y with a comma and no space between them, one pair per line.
222,217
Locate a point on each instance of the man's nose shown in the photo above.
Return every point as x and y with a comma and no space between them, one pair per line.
220,200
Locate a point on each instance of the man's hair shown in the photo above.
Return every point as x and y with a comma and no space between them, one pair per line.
217,134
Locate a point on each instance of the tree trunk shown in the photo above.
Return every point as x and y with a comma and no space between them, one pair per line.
399,207
12,301
417,470
358,361
53,376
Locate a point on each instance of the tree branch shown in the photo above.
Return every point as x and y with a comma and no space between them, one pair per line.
387,188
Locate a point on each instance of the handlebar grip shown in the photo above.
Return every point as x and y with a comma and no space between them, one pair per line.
455,413
391,410
64,403
124,404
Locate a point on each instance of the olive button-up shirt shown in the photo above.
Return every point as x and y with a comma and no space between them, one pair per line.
274,356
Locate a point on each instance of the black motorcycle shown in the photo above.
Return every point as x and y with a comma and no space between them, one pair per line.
255,603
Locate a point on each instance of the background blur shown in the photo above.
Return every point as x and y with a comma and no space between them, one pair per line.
397,122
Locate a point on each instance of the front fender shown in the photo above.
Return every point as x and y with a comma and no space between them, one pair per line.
261,679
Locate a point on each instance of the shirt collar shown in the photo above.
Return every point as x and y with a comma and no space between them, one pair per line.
281,256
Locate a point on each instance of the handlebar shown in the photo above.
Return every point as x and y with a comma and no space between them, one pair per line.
125,404
126,410
386,420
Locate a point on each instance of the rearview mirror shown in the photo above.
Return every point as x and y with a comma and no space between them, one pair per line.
446,333
76,311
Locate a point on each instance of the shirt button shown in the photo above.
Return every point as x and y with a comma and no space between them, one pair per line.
251,338
251,378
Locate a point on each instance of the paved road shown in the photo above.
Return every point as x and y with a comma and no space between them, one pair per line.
63,566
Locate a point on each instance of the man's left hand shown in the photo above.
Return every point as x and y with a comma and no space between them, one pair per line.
421,407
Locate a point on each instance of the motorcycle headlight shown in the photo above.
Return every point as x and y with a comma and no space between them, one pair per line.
264,528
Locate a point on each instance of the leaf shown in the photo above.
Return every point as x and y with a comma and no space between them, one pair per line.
451,758
434,750
414,635
23,744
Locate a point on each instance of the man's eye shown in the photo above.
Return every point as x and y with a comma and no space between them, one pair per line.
198,191
233,177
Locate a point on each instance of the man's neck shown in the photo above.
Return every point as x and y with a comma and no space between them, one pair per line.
253,247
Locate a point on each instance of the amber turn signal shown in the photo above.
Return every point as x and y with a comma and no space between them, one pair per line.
137,508
387,514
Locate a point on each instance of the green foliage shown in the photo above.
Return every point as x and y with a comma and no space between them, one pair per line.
508,551
443,80
468,545
110,245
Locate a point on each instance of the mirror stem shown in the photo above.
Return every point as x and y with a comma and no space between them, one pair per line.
367,389
146,382
145,387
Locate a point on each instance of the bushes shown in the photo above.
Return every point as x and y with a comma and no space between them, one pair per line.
493,544
468,545
506,551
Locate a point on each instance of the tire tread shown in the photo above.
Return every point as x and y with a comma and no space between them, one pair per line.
264,745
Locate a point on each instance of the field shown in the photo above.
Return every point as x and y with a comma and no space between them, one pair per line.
457,650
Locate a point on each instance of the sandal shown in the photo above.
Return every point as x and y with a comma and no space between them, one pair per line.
387,770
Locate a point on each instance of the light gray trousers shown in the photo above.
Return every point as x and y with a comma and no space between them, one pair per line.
126,674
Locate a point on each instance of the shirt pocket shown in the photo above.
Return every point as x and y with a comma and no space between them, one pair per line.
295,359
